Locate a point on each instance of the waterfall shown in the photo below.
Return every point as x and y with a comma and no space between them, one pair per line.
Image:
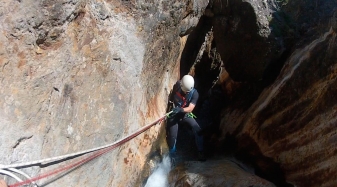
159,176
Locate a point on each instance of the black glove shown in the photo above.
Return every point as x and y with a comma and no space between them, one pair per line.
177,110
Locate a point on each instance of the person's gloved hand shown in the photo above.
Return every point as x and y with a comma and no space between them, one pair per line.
177,110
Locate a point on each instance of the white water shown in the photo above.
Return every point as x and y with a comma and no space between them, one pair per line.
159,176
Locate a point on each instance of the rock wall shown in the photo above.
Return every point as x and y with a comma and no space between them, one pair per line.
286,130
219,172
293,120
244,38
77,74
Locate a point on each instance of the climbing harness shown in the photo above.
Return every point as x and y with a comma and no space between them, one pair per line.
191,115
95,152
181,100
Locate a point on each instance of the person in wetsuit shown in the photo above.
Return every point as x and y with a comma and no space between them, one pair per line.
184,97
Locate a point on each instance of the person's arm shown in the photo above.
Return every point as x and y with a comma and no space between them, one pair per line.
3,183
174,89
189,108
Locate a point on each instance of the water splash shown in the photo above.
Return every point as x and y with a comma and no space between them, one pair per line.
159,177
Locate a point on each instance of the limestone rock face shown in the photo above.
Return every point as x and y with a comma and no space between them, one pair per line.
252,36
244,38
293,121
309,15
217,173
77,74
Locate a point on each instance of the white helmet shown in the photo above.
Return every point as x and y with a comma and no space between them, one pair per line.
187,83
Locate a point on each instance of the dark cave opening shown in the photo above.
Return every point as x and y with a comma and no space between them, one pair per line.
213,99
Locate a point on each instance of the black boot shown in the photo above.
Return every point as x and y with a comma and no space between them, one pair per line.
173,155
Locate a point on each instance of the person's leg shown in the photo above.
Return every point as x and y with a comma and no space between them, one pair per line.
171,137
196,131
172,133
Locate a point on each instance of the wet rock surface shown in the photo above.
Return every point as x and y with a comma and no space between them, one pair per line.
217,172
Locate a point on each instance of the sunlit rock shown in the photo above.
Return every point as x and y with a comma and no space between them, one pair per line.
79,74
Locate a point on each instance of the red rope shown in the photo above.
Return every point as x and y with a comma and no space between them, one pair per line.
85,160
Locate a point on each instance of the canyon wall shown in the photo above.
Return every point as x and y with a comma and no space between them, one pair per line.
77,74
280,107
